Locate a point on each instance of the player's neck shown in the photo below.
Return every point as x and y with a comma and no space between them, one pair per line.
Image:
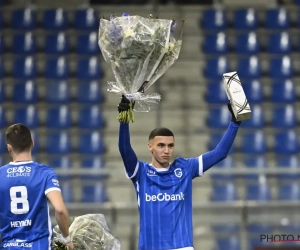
25,156
158,165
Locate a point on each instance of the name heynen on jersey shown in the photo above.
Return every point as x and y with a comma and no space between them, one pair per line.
21,223
164,197
19,171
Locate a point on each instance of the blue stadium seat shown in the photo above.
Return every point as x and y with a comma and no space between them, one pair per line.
290,163
215,44
2,92
57,68
256,162
86,19
219,117
94,193
224,192
23,19
67,192
90,118
55,19
226,228
254,91
290,191
228,162
58,143
57,44
290,228
61,162
25,92
249,68
247,44
58,92
257,119
214,141
2,46
215,93
281,68
89,92
283,91
258,192
254,143
279,43
214,19
284,117
24,44
91,143
36,147
59,117
95,163
25,68
245,19
3,121
232,243
216,67
286,143
277,19
3,147
89,69
87,44
27,115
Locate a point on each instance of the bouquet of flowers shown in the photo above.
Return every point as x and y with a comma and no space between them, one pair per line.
139,51
87,232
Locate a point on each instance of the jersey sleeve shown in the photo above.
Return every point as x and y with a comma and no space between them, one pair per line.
195,165
52,183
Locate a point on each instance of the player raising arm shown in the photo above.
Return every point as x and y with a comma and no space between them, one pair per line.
24,188
164,189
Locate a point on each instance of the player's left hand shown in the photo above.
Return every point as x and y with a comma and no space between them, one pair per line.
233,119
124,104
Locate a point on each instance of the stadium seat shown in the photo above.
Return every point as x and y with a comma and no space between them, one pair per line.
57,44
58,143
214,19
228,162
24,44
90,118
219,117
249,68
25,92
2,46
58,92
2,92
25,68
215,93
226,228
258,192
86,19
3,121
290,228
89,69
216,67
57,68
3,146
27,115
232,243
55,19
286,143
257,119
23,19
224,192
94,193
283,91
91,143
279,43
215,44
277,19
290,163
214,141
261,228
87,44
256,162
61,162
245,19
254,143
93,162
89,92
284,117
67,192
290,191
253,91
281,68
59,117
247,44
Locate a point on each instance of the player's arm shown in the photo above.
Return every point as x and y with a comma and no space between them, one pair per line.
128,155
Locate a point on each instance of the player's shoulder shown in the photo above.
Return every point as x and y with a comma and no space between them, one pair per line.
183,162
43,167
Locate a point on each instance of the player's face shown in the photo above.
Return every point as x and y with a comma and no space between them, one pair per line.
162,148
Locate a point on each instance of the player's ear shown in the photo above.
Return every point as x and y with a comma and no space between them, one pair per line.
9,148
150,147
32,143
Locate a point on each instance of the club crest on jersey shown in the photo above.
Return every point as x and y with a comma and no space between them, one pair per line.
178,172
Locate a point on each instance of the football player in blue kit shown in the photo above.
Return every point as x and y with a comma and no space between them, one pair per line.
164,189
25,188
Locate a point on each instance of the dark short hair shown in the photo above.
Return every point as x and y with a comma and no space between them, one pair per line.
160,132
19,137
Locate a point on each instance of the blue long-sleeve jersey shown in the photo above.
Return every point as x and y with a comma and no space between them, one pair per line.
165,197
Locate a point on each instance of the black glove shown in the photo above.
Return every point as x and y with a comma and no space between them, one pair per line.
233,119
124,104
